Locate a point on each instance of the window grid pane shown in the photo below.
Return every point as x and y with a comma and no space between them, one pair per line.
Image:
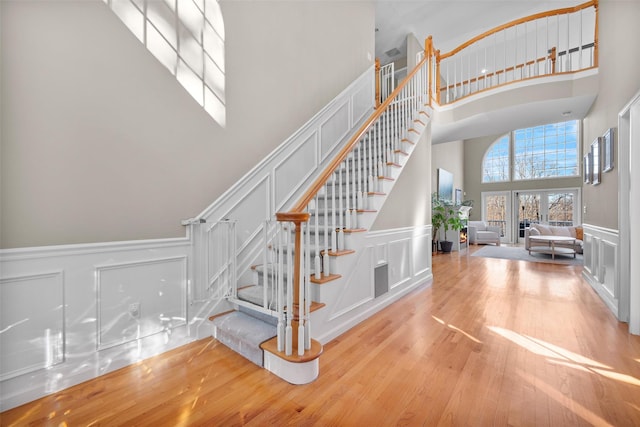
495,167
546,151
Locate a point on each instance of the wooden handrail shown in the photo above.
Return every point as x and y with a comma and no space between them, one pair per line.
519,21
326,174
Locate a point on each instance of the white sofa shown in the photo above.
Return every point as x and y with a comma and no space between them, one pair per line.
552,230
481,233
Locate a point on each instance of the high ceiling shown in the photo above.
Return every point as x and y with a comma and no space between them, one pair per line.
450,22
453,22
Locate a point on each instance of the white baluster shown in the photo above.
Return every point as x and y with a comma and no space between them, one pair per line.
304,277
334,224
317,266
289,329
280,284
327,227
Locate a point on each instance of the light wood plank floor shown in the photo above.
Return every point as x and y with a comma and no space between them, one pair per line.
490,343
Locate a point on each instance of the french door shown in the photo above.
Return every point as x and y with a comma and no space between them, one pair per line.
496,210
552,207
513,211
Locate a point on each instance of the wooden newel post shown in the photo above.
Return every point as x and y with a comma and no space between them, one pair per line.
552,57
428,53
437,76
297,218
377,82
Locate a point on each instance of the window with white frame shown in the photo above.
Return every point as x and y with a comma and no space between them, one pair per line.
547,151
187,37
495,166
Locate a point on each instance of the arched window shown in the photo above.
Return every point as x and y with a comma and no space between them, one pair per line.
547,151
495,165
187,37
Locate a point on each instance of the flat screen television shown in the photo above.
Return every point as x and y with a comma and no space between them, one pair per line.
445,185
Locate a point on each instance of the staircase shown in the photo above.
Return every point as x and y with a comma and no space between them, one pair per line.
306,248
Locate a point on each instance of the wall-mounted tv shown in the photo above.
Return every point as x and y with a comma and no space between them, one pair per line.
445,185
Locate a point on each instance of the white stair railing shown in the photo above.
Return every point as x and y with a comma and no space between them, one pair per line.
332,205
557,41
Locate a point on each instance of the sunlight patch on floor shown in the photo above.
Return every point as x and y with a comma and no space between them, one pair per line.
455,328
561,356
565,401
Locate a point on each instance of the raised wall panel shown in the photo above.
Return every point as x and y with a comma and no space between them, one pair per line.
157,286
361,102
293,170
399,262
334,129
32,333
422,253
608,273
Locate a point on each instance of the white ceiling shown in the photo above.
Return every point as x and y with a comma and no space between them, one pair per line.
450,22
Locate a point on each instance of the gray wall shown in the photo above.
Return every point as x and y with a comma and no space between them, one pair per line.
619,75
100,143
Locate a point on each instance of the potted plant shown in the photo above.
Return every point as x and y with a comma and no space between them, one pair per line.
444,215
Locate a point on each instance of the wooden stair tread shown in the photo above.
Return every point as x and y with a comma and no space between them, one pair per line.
404,153
394,164
407,140
386,178
324,279
312,354
366,210
376,193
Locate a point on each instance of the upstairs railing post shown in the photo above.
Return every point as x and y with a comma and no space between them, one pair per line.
552,57
378,77
437,76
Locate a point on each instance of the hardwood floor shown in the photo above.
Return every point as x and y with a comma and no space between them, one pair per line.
490,343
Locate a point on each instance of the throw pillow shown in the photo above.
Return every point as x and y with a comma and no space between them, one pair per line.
579,233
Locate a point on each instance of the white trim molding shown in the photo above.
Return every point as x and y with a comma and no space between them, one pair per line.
601,266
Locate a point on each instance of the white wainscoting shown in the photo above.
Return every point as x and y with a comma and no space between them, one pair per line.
72,313
65,312
275,183
350,300
601,266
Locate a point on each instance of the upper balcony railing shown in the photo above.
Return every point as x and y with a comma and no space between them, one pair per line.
547,43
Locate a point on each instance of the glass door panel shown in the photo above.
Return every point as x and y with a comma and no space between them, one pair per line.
496,211
560,208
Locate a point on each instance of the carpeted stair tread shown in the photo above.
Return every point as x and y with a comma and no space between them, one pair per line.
243,334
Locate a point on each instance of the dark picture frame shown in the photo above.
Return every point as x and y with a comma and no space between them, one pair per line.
595,161
445,185
586,168
608,150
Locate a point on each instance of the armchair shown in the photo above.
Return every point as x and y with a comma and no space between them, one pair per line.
481,233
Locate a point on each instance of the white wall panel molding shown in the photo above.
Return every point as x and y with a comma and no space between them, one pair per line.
50,301
601,265
32,333
334,129
350,300
294,169
139,299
